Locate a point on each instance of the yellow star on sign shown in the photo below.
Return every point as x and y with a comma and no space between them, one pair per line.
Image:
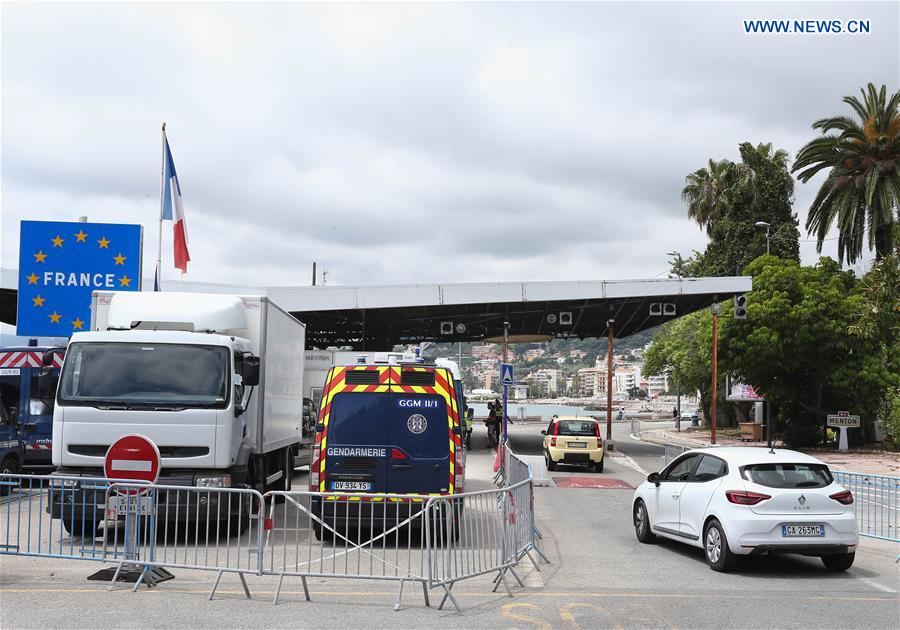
38,301
57,242
104,243
40,256
32,279
124,281
78,324
80,237
120,259
54,317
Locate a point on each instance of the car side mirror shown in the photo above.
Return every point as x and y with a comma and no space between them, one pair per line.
543,432
653,478
250,370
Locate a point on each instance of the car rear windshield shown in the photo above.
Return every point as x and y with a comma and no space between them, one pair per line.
788,475
577,427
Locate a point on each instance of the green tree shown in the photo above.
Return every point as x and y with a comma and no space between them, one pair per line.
729,201
861,193
704,192
763,193
878,320
683,348
794,347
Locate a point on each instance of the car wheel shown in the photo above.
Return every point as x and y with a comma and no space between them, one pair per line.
549,461
715,544
598,467
839,562
642,523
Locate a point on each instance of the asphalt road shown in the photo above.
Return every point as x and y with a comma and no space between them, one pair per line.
599,577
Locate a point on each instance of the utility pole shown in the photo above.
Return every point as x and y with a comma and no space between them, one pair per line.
609,380
716,309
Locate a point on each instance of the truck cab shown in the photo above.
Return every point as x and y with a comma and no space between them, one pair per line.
29,415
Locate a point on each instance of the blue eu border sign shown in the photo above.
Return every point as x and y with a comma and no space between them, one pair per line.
61,264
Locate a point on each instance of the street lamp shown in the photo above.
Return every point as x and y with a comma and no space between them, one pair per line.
763,224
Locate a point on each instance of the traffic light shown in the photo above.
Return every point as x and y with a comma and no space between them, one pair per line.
740,307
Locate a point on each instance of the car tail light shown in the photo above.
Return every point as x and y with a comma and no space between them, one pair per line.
844,498
396,453
314,470
743,497
597,433
553,441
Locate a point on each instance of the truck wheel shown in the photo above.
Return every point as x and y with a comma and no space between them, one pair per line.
10,466
85,528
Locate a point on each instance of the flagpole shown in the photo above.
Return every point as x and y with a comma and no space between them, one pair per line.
162,197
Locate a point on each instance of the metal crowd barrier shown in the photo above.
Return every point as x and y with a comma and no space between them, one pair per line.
478,538
27,530
636,427
136,526
362,536
142,529
876,501
674,450
200,528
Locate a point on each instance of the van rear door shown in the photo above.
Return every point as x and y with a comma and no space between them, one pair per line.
357,452
419,437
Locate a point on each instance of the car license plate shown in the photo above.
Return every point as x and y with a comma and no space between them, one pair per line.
802,530
576,445
351,485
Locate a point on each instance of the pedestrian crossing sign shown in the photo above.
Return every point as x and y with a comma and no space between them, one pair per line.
506,375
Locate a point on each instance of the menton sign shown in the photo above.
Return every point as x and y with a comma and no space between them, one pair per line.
61,264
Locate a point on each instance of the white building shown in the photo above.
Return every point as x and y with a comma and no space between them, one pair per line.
592,382
547,379
626,376
657,385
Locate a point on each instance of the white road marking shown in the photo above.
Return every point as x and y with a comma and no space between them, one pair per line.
626,460
874,584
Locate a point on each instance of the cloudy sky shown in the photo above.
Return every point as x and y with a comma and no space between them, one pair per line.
399,143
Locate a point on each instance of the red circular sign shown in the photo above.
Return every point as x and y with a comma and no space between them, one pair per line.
132,457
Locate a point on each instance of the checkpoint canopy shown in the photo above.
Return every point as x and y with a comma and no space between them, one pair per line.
377,317
61,263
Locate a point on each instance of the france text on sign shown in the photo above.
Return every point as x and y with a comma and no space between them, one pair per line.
506,374
843,420
61,263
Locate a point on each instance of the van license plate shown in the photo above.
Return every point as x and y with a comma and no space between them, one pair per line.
802,530
576,444
351,485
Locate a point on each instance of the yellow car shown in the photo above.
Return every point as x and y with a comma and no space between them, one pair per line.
573,440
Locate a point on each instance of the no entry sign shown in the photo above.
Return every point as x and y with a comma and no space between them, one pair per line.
132,457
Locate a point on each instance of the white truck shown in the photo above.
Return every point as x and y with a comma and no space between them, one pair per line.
216,381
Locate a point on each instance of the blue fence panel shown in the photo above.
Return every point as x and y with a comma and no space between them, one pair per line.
876,500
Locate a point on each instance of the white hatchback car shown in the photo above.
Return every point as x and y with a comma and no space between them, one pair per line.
739,500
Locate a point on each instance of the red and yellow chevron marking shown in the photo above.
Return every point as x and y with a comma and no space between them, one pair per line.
389,381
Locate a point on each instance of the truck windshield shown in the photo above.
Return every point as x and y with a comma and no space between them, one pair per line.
137,374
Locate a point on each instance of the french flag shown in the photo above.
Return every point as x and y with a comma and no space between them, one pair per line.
172,209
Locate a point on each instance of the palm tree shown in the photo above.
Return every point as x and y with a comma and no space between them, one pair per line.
704,192
862,191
